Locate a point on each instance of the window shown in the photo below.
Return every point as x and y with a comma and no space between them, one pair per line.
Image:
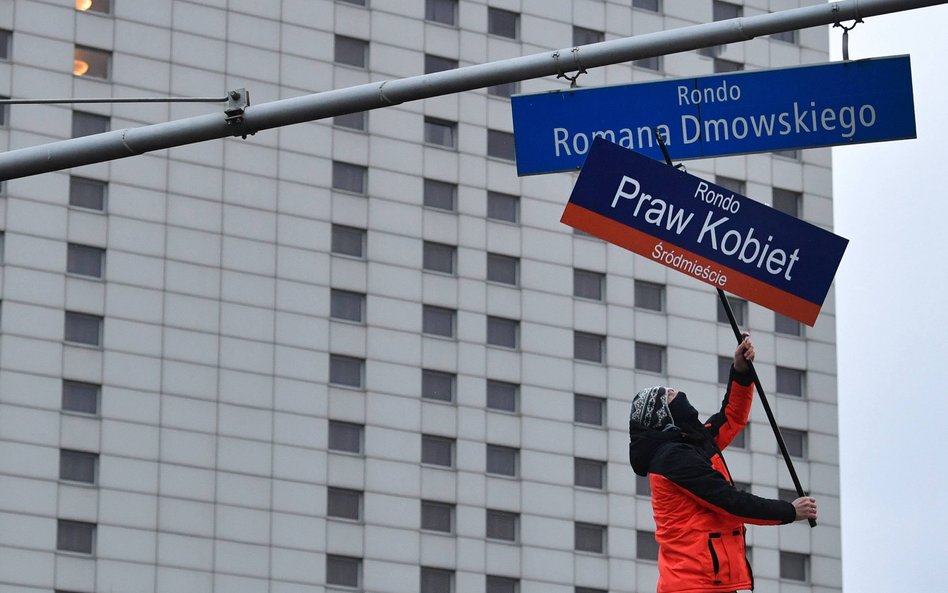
643,487
725,10
436,580
439,64
502,585
583,36
437,321
346,370
353,121
343,503
91,62
3,243
81,397
590,538
503,269
441,132
437,450
503,207
355,2
351,51
349,177
787,325
87,193
347,305
792,154
791,37
795,440
794,566
437,516
790,381
344,571
588,284
740,440
437,385
4,113
649,295
347,240
502,525
86,124
345,436
588,409
503,23
6,42
82,328
442,11
503,396
649,357
85,260
103,6
722,66
502,460
75,536
724,369
652,5
737,186
742,486
501,145
588,590
646,548
438,257
440,194
78,466
786,494
589,347
502,332
589,473
653,63
738,307
787,201
504,90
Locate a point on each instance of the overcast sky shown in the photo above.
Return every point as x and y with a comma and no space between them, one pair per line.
892,311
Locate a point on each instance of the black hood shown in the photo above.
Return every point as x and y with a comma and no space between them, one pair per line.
644,442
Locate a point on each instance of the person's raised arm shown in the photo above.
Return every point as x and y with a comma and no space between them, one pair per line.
744,354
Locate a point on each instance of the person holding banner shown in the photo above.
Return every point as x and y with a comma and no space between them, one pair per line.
699,515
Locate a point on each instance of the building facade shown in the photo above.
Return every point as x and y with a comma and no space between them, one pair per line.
362,354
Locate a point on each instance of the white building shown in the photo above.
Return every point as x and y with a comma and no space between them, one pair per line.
362,353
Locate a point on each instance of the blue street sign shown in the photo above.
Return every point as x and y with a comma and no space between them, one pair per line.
735,113
705,231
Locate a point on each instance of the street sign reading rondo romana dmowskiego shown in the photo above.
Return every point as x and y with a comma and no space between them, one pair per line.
734,113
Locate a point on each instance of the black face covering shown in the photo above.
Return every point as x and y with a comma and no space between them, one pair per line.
683,413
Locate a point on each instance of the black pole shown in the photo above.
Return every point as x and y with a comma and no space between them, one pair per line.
750,365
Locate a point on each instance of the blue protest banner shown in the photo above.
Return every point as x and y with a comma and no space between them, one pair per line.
705,231
734,113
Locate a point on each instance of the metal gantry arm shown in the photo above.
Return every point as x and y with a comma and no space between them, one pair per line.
134,141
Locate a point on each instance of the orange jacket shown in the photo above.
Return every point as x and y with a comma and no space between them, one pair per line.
699,514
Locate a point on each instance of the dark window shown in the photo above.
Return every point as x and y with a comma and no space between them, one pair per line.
646,548
356,2
588,590
344,571
437,385
652,63
75,536
440,194
353,121
6,43
502,525
643,487
91,62
724,369
787,37
502,585
589,347
344,304
795,440
351,51
652,5
588,409
649,357
787,201
649,295
786,494
589,473
83,328
588,284
78,466
792,154
502,332
437,450
737,186
502,460
502,396
583,36
437,321
439,64
504,90
740,441
87,193
501,145
103,6
725,10
438,257
503,23
503,269
590,538
441,132
343,503
722,66
794,566
345,436
346,370
85,124
503,207
349,177
4,113
442,11
790,381
787,325
348,240
436,580
738,307
81,397
437,516
85,260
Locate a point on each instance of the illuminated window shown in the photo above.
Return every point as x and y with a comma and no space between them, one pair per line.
91,62
103,6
